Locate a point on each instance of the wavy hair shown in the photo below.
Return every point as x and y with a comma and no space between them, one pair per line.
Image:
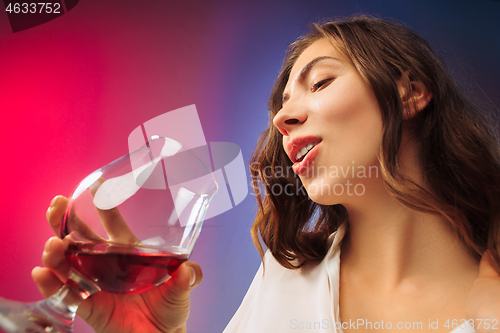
457,148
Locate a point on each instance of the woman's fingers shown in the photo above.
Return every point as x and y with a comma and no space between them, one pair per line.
169,303
112,220
116,227
54,259
188,276
177,289
47,282
55,216
55,212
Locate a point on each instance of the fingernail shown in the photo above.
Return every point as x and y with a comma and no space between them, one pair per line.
47,214
53,202
192,278
48,244
33,270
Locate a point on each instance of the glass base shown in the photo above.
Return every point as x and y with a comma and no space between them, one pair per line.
18,317
52,315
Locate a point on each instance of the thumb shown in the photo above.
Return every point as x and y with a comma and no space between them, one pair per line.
174,294
486,266
187,277
169,303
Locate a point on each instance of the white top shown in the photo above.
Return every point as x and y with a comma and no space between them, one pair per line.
301,300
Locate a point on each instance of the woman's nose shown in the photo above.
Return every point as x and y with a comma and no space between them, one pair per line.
289,118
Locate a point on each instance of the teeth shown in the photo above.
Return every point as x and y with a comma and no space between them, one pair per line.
303,151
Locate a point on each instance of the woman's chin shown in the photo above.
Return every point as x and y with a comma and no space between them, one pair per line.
326,193
322,197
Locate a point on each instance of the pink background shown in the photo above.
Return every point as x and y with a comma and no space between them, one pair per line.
72,90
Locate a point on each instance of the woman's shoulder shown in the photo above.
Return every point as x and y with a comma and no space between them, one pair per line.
280,298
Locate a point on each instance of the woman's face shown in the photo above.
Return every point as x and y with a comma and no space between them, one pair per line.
331,125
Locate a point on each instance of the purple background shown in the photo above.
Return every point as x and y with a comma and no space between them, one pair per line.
72,90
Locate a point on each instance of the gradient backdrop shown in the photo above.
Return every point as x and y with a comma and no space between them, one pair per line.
72,90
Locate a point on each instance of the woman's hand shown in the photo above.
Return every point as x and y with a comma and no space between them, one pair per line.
162,309
483,305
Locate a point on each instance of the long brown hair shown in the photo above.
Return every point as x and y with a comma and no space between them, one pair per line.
457,149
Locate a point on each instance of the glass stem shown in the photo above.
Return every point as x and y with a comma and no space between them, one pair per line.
60,309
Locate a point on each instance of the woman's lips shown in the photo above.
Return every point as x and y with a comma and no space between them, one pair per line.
301,168
295,145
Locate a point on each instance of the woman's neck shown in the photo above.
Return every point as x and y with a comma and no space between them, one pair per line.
391,244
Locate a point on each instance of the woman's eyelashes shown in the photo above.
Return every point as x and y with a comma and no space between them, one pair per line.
321,84
318,85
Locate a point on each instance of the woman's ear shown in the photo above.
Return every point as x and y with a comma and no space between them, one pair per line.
414,95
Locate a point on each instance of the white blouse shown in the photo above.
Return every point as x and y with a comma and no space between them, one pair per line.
303,300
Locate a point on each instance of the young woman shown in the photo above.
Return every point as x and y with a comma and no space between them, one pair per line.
392,202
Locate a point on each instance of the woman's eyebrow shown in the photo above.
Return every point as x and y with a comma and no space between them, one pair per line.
303,72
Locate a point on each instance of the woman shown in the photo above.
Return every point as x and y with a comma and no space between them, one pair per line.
395,202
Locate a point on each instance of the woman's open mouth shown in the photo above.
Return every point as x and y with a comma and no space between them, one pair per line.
304,158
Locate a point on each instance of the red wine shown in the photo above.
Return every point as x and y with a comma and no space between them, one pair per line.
123,270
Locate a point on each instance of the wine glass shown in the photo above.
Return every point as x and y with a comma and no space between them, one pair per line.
128,226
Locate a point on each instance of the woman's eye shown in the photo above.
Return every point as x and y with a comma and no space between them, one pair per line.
320,84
